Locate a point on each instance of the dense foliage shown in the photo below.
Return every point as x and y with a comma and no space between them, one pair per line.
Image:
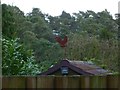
16,60
91,37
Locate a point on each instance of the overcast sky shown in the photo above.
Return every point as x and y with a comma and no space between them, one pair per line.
55,7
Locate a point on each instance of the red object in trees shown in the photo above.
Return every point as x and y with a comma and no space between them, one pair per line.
61,41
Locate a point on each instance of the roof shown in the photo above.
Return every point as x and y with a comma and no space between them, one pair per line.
88,67
80,67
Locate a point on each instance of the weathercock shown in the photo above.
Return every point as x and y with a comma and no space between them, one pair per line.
61,41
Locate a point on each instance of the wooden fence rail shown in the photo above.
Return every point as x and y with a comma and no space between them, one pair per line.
57,82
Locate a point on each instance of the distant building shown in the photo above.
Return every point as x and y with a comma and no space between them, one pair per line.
67,67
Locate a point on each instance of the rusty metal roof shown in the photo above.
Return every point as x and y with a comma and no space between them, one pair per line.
80,67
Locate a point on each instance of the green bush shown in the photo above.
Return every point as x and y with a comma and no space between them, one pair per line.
16,60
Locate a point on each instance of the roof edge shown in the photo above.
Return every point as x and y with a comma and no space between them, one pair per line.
67,64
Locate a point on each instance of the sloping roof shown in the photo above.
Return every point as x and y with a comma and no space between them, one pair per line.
80,67
88,67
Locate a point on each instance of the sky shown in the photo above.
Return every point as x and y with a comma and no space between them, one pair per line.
55,7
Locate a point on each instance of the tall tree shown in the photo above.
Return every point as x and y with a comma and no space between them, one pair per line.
40,26
12,21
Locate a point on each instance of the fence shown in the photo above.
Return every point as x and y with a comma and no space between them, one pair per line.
54,82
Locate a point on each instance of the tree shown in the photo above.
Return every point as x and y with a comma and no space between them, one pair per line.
40,26
12,21
99,24
8,27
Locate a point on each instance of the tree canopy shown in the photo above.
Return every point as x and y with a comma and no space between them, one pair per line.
91,37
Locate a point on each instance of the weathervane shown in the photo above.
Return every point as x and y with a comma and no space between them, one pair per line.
62,42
